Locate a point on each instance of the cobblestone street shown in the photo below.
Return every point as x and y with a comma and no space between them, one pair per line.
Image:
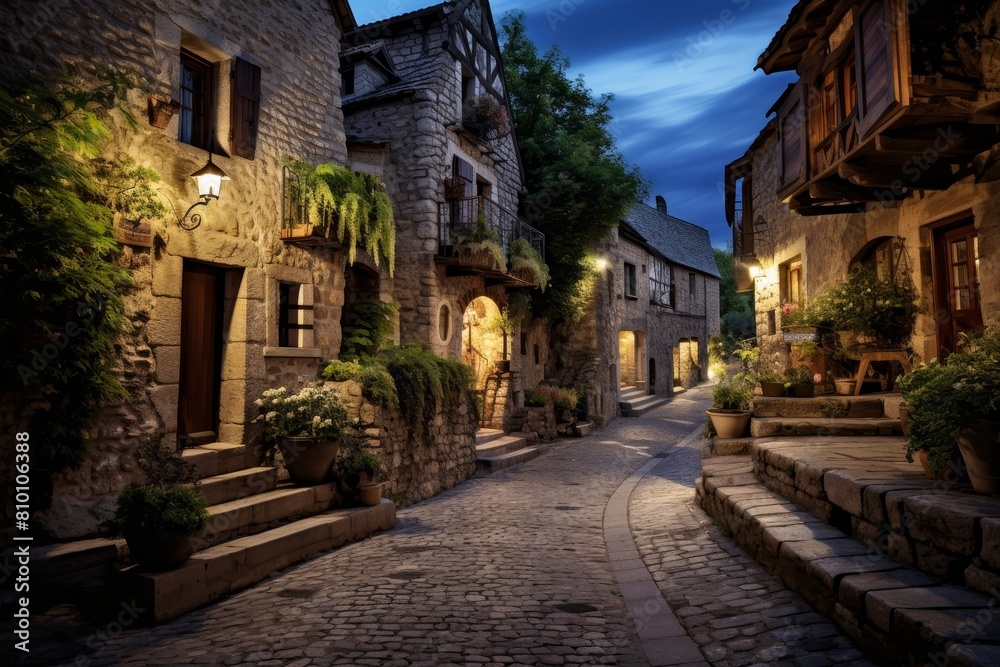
511,569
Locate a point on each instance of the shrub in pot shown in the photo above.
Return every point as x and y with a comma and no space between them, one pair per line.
800,382
730,411
772,386
360,471
955,406
161,523
306,427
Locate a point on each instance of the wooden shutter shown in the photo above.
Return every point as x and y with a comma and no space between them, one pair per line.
792,139
876,73
462,168
747,245
246,108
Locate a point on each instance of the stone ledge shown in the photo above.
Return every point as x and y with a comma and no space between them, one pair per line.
293,353
899,614
856,407
232,566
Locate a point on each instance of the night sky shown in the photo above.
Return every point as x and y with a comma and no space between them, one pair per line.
687,100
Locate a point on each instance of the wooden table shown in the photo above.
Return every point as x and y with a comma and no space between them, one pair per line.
881,355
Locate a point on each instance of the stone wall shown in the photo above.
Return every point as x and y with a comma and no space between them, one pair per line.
418,464
240,234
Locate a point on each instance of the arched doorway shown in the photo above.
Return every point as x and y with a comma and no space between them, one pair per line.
626,354
482,347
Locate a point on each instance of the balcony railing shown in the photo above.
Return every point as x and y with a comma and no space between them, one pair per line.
462,217
297,226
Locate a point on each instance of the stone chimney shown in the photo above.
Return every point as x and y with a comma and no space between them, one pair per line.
661,204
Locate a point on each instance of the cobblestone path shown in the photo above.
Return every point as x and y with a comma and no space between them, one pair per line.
510,569
730,606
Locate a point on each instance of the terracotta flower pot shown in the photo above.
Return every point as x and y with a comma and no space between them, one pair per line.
845,387
370,494
729,423
953,473
904,420
980,446
802,391
308,460
158,551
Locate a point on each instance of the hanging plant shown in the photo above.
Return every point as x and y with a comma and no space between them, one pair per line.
525,260
354,205
482,241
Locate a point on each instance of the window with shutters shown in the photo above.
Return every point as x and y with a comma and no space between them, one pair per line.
246,108
295,307
792,139
197,98
877,92
631,289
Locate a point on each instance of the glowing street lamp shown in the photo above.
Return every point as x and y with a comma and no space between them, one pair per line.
209,179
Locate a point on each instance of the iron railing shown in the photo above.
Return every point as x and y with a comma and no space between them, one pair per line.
462,217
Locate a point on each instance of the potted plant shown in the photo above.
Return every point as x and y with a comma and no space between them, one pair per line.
526,263
771,386
481,247
306,427
454,188
800,382
955,407
566,401
161,523
360,471
882,312
486,117
803,322
730,411
845,386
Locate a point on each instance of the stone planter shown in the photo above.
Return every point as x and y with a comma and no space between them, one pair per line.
729,423
370,494
308,461
980,446
158,552
845,387
772,389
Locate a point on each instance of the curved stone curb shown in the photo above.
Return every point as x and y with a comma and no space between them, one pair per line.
663,639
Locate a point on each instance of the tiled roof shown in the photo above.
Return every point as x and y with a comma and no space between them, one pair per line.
679,241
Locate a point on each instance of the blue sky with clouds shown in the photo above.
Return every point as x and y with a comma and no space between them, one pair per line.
687,100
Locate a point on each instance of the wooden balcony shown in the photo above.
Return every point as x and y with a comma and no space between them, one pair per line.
297,227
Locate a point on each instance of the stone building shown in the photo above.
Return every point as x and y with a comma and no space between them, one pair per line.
425,109
221,309
883,154
656,306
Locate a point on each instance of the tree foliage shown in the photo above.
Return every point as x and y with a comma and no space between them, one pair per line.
735,309
63,313
579,185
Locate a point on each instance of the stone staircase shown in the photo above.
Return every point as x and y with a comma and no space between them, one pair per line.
495,450
634,401
259,525
824,499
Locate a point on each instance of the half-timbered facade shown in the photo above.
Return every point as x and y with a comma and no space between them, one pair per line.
883,153
426,108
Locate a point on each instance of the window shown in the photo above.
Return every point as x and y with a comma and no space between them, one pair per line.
444,322
791,281
660,289
739,206
246,109
692,284
524,345
840,93
792,138
630,281
197,101
347,82
292,316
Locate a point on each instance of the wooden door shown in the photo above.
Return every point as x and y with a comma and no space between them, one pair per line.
201,343
956,285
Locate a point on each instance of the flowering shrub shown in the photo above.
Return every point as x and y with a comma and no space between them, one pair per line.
489,113
564,399
536,398
882,311
314,412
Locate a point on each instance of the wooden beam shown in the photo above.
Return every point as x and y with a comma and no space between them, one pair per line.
896,176
829,209
840,191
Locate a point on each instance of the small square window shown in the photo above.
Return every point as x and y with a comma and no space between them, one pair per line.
292,325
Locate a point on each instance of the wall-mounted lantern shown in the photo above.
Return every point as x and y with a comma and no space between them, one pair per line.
209,179
753,266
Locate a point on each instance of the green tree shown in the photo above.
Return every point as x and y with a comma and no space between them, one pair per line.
735,309
59,273
578,183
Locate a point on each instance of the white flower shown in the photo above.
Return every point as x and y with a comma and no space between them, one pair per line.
316,420
303,408
271,415
290,415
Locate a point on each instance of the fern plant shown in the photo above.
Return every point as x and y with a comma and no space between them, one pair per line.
480,240
525,259
367,327
355,205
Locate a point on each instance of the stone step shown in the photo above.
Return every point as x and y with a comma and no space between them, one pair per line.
485,435
496,463
500,446
856,407
240,484
641,407
219,458
897,613
769,427
261,512
229,567
631,394
727,447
